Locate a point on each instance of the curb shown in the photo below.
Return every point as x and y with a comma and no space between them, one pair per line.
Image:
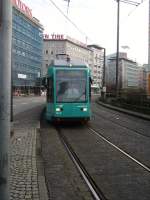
135,114
43,193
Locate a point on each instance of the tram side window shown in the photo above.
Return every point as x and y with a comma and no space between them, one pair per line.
50,90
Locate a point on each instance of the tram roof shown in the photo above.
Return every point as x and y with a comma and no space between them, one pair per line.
72,63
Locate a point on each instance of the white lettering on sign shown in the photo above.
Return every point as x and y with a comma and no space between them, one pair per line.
22,7
23,76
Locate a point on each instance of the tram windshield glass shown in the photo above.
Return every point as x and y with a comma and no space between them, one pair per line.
70,86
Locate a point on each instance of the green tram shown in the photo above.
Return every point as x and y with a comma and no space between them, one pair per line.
68,91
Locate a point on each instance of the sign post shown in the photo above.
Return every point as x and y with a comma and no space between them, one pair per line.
5,94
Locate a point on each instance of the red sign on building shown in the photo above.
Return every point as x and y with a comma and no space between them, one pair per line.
22,7
54,36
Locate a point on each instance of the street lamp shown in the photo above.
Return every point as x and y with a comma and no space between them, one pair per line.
118,28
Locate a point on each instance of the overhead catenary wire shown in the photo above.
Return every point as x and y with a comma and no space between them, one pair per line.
54,4
136,7
130,2
76,27
133,10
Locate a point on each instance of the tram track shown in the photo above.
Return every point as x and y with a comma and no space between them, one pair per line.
118,124
120,150
93,187
132,143
83,165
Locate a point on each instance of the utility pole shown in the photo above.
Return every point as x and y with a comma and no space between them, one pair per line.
104,66
149,38
68,7
117,54
5,94
68,4
118,29
104,72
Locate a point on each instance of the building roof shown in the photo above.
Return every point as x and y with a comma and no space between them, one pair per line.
125,59
81,45
96,46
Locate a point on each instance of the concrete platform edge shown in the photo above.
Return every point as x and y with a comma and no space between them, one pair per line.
43,193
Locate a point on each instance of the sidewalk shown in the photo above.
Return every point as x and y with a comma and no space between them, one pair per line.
25,177
132,113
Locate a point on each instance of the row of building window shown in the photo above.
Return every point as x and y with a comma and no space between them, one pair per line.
18,34
21,20
21,52
26,68
26,46
29,76
31,34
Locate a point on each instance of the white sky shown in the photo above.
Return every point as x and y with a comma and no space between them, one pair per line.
97,20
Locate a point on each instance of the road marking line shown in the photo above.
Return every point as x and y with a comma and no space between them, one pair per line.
126,154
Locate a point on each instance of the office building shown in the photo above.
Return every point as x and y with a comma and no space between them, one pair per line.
128,73
27,44
97,66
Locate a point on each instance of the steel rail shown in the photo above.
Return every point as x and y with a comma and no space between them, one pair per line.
120,150
95,190
126,127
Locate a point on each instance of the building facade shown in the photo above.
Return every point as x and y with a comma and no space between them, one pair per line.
97,66
147,69
128,73
59,44
142,78
27,46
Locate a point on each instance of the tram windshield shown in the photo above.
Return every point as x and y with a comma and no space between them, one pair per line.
70,86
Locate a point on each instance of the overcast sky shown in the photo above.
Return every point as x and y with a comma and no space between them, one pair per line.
97,21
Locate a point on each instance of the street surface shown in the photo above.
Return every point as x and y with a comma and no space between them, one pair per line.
21,104
114,148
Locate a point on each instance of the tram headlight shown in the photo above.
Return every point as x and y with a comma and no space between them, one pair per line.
84,109
58,109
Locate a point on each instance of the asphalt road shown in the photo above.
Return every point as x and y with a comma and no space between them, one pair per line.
21,104
118,160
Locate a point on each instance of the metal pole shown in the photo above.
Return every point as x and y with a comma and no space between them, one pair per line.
117,53
11,110
149,39
68,7
5,94
104,70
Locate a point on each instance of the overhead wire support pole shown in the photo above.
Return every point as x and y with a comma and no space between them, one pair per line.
118,35
5,94
117,54
68,7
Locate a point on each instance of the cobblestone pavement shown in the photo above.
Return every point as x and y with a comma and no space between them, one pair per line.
24,183
24,179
